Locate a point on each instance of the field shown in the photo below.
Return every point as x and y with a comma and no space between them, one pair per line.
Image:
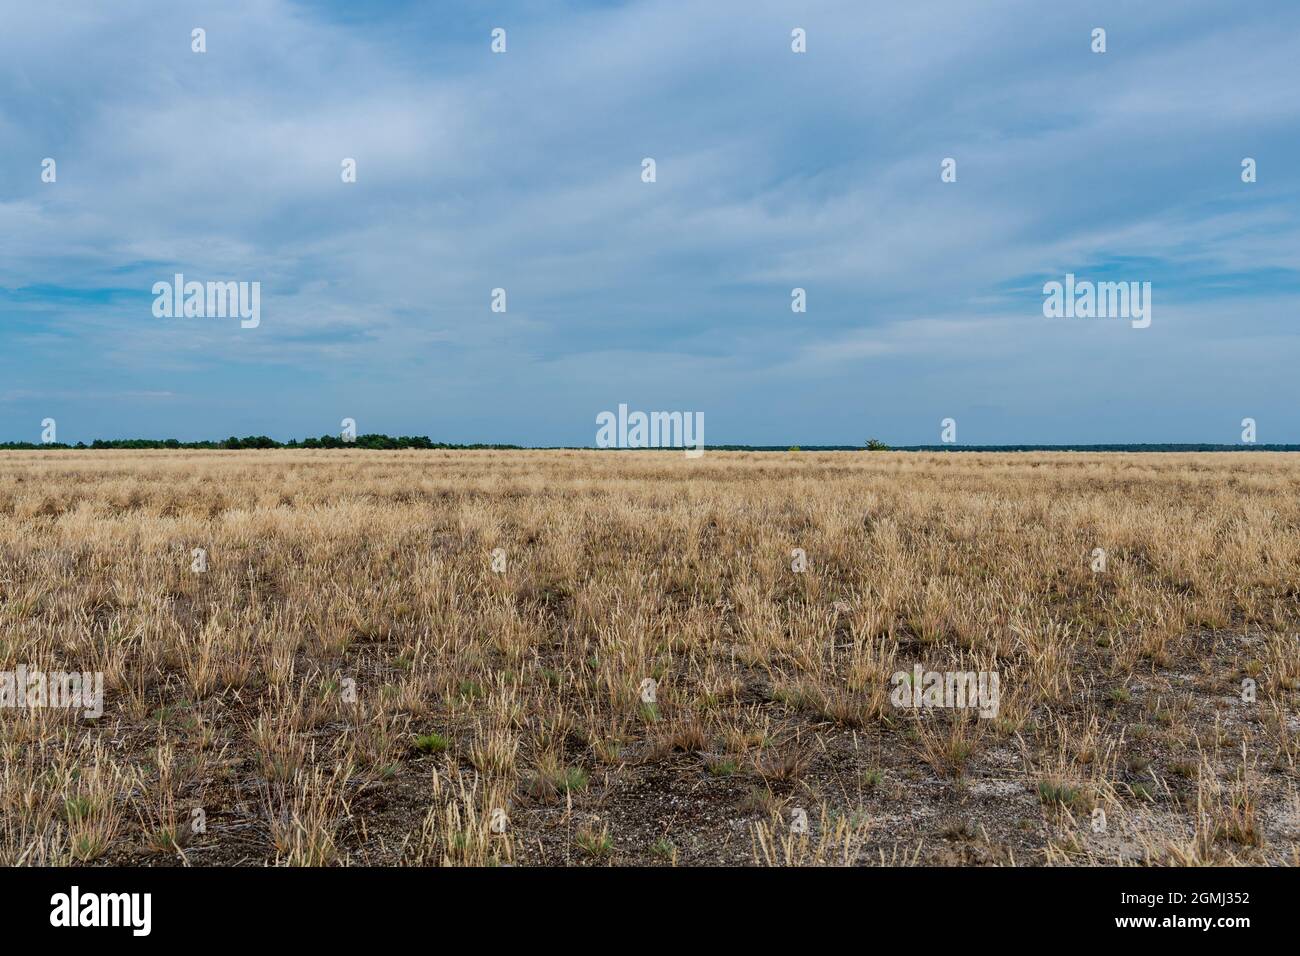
605,658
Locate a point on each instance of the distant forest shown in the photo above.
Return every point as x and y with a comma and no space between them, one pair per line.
390,442
382,442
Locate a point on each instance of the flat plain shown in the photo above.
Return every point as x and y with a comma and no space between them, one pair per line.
604,658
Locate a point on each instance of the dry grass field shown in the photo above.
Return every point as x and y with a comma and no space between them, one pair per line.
352,681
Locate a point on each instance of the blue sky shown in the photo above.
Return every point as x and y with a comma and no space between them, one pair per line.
775,170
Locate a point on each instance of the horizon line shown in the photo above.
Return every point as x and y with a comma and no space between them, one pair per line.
383,442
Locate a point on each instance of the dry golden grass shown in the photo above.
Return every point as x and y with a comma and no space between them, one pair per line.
351,681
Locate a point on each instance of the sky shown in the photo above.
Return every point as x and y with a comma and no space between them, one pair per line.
774,170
